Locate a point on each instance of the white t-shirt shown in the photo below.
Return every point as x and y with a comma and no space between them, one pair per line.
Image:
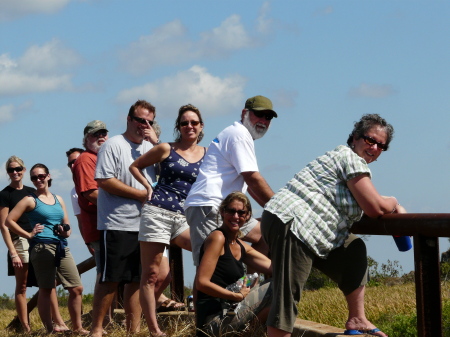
228,155
74,199
113,161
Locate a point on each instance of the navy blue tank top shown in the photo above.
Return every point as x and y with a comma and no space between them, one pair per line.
175,181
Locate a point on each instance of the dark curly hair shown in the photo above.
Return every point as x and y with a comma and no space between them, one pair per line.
367,122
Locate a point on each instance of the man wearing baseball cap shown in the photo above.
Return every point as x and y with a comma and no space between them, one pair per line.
230,165
83,169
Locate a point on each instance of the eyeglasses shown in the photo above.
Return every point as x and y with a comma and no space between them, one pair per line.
186,123
260,114
39,176
231,211
370,141
142,120
70,163
100,133
14,169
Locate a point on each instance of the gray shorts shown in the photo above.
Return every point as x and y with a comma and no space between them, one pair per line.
42,256
203,220
160,225
292,261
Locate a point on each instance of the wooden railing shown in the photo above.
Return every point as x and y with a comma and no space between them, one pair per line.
426,230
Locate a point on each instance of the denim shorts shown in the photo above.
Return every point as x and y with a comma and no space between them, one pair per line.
160,225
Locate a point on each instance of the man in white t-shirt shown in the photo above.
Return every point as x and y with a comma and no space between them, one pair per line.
230,165
120,197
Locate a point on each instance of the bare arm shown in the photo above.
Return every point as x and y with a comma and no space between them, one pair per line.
256,260
65,219
91,195
214,247
5,232
116,187
151,157
24,205
371,202
258,187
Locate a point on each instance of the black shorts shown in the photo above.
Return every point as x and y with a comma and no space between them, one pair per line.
120,259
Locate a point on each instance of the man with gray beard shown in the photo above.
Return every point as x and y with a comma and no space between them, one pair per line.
230,165
95,134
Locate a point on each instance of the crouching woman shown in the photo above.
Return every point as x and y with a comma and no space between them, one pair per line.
222,259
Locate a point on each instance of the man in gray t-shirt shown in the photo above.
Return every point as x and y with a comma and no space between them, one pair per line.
120,197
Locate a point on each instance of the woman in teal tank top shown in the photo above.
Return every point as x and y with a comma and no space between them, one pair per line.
49,253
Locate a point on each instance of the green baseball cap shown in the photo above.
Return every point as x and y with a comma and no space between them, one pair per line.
260,103
94,126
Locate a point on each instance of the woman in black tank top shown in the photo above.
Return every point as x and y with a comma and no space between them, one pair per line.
222,259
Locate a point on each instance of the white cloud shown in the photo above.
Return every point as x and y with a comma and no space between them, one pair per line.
213,95
40,69
8,112
171,44
372,90
13,9
263,23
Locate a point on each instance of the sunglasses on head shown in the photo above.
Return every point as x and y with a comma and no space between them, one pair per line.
39,176
260,114
231,211
100,133
142,120
14,169
186,123
70,163
370,141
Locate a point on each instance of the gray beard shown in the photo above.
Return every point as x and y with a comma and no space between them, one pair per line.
254,132
93,147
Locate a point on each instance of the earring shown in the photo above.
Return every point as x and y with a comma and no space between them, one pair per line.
352,146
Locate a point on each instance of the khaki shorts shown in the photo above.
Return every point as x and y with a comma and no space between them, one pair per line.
42,256
203,220
160,225
21,245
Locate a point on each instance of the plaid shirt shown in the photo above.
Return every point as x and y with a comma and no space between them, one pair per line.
319,202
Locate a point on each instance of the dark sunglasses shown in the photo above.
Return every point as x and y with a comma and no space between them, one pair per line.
100,133
231,211
260,114
14,169
39,176
70,163
142,120
186,123
370,141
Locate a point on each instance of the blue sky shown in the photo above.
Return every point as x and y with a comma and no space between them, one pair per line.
323,63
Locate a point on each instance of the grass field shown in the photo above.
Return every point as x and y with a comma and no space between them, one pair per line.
391,308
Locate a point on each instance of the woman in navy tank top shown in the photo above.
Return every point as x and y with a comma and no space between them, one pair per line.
162,218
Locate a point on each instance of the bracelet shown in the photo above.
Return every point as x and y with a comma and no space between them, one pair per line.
13,256
242,295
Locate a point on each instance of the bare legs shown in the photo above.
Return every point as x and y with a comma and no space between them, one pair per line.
356,315
150,287
103,297
74,305
20,296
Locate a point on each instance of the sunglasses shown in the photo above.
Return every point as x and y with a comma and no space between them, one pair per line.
70,163
142,120
100,133
231,211
370,141
260,114
186,123
39,176
14,169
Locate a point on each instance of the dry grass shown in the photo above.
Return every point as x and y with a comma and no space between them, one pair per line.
325,306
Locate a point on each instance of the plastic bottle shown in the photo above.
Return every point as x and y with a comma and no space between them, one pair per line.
403,243
190,303
236,286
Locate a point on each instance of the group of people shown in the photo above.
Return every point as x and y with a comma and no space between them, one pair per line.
128,218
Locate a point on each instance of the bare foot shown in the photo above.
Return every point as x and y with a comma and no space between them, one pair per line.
364,326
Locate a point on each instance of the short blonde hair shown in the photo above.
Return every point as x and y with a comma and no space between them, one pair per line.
14,159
